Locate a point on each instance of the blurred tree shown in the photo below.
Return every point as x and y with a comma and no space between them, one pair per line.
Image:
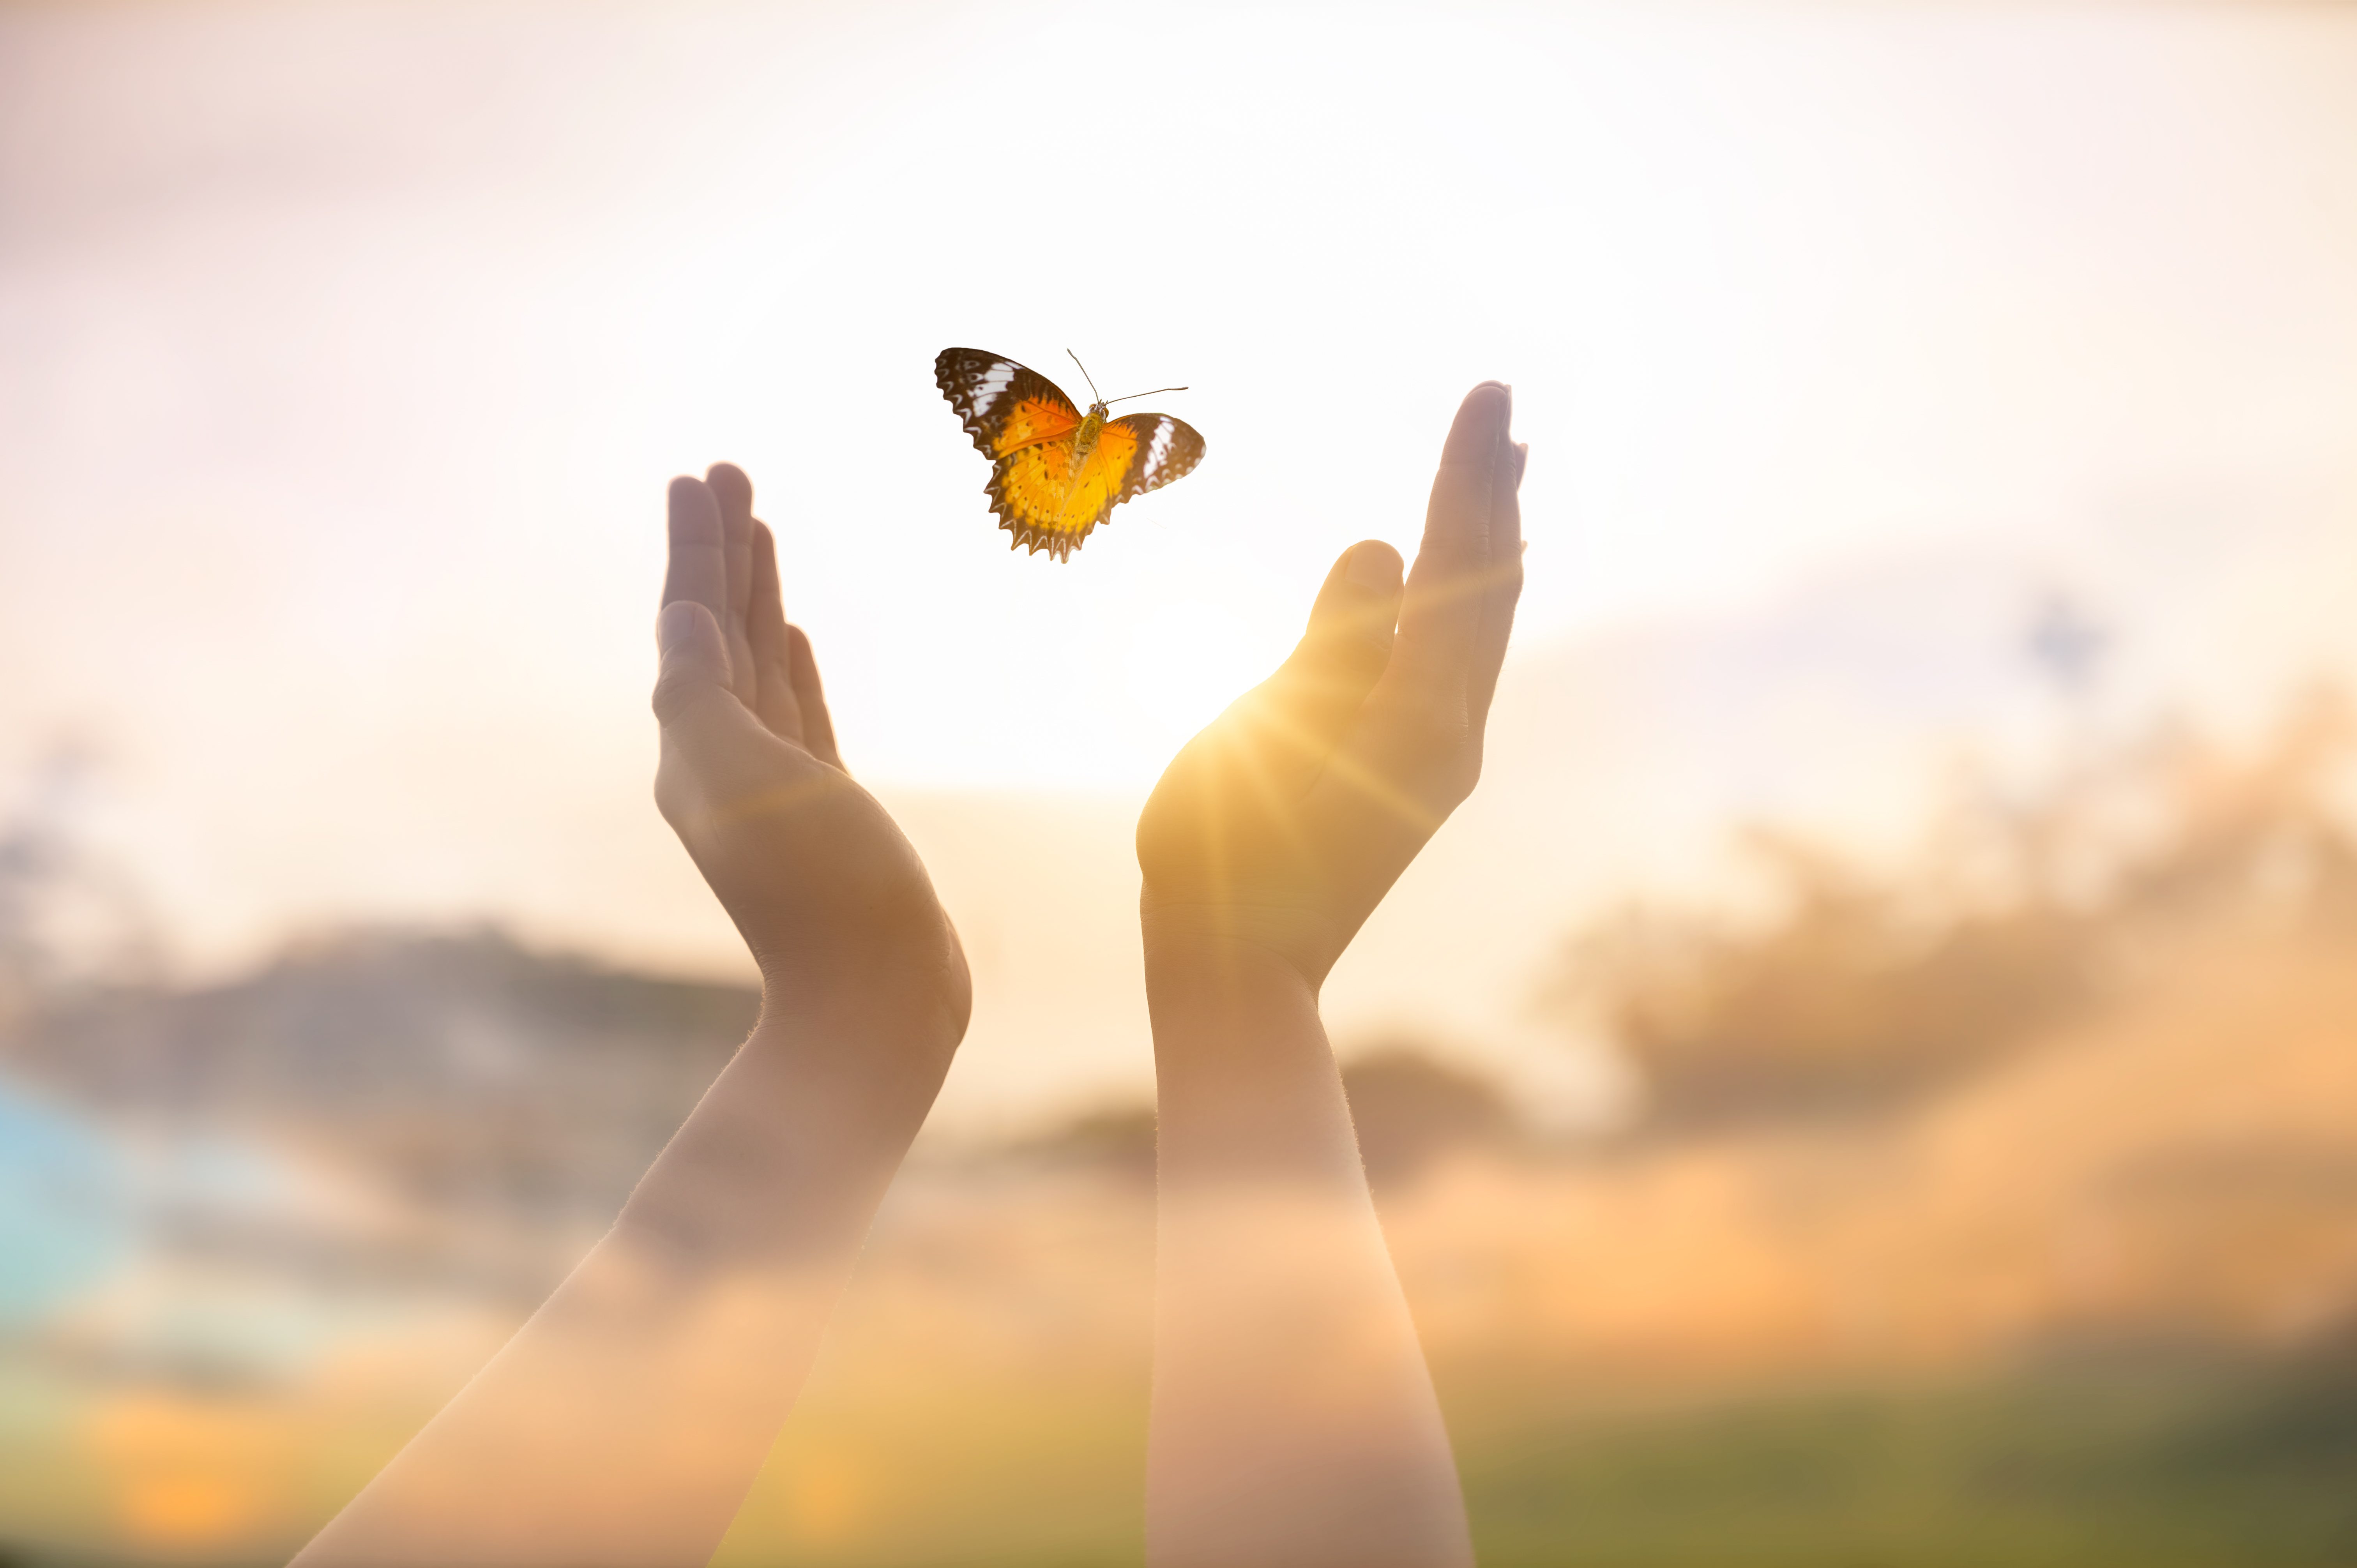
67,915
1862,993
1411,1103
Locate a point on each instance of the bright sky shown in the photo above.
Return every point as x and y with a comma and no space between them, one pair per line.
344,353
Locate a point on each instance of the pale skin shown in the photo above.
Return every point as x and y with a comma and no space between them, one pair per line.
1293,1422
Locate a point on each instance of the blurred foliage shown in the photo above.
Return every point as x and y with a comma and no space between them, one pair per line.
1862,992
70,917
1413,1103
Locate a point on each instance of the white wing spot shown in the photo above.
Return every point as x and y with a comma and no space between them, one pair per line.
1158,451
990,388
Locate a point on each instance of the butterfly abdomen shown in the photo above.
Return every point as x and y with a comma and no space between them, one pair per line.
1085,439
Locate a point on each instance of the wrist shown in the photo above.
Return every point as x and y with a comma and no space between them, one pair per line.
905,999
878,1054
1211,990
1247,1090
783,1162
1257,946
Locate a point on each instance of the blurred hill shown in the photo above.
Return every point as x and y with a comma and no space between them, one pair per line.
497,1103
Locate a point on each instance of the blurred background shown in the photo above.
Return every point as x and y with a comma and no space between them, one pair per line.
1871,1078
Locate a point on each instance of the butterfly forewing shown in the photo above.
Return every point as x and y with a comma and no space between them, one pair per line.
1003,405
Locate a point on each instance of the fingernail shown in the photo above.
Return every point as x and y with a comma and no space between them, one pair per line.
1371,569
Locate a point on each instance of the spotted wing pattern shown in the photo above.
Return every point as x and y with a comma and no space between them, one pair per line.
1003,405
1048,504
1030,431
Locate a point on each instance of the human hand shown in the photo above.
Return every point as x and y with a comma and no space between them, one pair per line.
1284,822
834,904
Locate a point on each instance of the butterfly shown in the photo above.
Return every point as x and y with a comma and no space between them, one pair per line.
1054,474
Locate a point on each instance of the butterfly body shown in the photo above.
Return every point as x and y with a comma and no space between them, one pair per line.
1057,473
1085,439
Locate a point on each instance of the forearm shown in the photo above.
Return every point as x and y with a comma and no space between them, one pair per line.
623,1423
1293,1418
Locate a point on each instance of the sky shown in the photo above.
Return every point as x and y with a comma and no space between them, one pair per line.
345,350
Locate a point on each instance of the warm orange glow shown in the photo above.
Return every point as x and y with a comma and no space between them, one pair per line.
1883,1023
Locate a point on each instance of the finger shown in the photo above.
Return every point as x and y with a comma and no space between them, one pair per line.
1441,616
727,760
1502,587
818,724
697,572
1318,692
765,633
734,491
694,668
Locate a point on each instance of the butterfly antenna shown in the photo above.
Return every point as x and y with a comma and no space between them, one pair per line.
1135,396
1088,378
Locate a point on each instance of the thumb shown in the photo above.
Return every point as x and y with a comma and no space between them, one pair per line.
1315,694
694,660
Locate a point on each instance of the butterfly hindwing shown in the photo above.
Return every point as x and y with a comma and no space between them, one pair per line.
1003,405
1045,503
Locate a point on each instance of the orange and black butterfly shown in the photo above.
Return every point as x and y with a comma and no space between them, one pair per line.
1054,474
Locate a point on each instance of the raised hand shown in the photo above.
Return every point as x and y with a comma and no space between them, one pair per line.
1294,1422
830,898
623,1423
1285,823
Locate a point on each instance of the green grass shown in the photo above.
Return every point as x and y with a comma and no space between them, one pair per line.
2155,1465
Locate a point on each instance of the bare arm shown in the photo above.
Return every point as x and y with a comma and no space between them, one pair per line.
624,1423
1294,1421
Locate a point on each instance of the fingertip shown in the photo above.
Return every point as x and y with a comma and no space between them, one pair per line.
1374,566
1481,426
691,504
729,482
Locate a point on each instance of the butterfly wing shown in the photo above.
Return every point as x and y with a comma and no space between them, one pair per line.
1166,449
1031,489
1003,405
